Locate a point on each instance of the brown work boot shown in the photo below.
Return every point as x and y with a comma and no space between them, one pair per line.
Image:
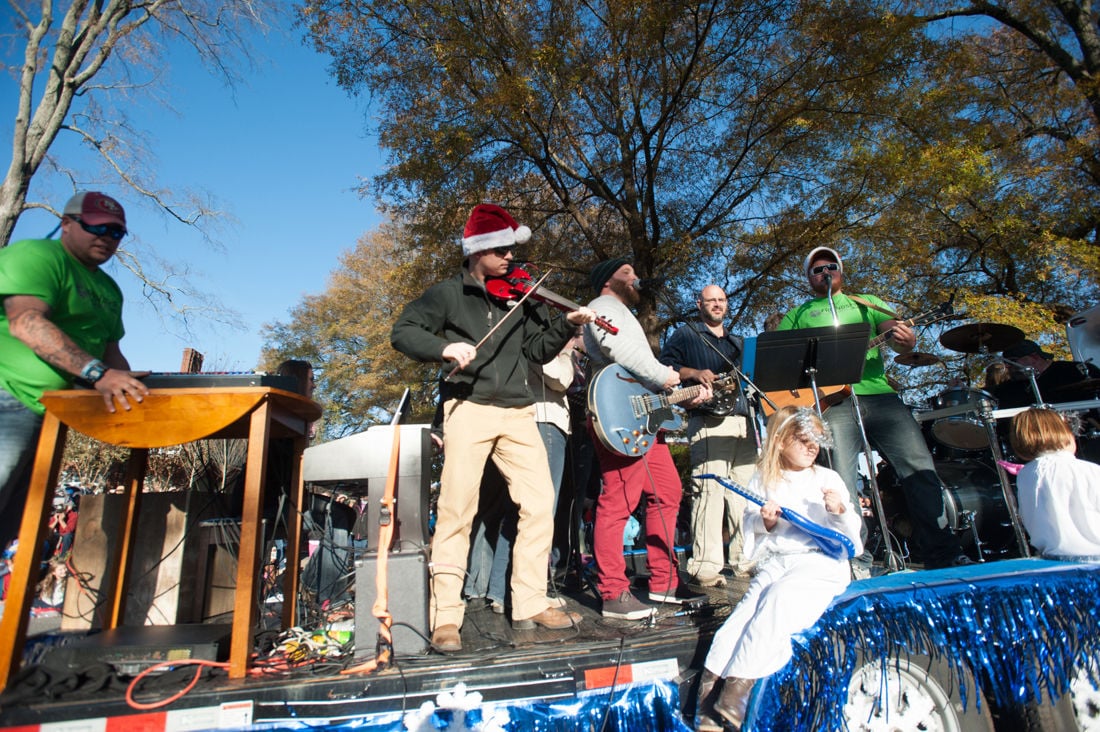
704,704
734,700
551,618
446,638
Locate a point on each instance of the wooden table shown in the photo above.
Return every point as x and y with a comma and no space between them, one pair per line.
167,417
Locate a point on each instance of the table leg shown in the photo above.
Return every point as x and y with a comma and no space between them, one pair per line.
249,558
294,536
116,580
32,532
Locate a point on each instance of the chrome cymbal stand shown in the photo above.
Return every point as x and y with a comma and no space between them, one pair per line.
893,561
986,412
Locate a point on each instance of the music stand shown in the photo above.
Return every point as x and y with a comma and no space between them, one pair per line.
811,357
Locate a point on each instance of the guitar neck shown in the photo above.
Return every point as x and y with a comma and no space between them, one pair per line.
687,393
883,337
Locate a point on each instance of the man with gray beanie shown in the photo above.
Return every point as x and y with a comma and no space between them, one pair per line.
62,320
889,425
627,480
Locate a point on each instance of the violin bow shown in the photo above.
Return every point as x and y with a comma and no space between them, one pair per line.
501,322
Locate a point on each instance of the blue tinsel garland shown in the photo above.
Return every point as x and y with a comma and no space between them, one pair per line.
1023,628
652,706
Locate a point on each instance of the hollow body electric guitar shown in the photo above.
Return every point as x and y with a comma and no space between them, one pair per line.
830,395
626,415
831,541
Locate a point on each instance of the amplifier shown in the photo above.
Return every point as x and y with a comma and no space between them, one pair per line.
408,602
132,649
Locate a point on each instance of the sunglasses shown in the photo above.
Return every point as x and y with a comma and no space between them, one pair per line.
503,251
825,268
114,231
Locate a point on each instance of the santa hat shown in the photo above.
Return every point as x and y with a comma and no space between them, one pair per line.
489,227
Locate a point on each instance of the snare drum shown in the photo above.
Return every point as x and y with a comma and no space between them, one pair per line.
962,431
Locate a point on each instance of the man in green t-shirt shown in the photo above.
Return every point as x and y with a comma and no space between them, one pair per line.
889,424
61,320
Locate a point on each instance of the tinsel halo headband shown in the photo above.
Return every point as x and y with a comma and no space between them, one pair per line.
806,428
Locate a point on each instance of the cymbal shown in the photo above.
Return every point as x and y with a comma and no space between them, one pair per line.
976,337
915,358
1082,385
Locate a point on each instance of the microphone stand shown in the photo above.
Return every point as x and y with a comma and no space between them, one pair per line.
748,388
892,561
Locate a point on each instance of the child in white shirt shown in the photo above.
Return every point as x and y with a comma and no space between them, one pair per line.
1058,494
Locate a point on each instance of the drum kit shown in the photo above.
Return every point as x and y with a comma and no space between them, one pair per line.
979,495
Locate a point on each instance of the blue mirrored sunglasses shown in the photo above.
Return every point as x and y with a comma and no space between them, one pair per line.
113,231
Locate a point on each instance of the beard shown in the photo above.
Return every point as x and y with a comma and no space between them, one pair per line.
626,292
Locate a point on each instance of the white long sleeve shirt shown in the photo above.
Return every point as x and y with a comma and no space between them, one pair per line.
1059,500
629,347
800,491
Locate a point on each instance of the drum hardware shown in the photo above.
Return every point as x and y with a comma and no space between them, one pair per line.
968,522
981,337
1002,477
1081,406
956,424
915,358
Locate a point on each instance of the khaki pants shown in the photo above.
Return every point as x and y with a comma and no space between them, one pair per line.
471,434
719,445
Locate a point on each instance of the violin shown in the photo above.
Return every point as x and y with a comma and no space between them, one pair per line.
517,283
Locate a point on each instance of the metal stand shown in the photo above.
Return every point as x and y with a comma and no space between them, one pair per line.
1006,488
811,357
890,559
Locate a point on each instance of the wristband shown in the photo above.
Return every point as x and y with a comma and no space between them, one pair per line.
93,371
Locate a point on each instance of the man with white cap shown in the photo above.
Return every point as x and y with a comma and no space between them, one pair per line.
62,320
889,425
488,412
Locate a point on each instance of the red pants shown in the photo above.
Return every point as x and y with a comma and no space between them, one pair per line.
625,481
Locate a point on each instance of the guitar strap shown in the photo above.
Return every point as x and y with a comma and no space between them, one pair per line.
867,303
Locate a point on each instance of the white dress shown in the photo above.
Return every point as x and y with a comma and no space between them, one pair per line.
1059,500
794,581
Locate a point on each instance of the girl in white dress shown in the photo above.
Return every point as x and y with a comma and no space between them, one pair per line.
795,581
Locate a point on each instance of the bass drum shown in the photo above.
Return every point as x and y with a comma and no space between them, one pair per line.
972,499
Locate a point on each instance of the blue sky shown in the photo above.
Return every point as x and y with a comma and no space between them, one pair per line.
282,154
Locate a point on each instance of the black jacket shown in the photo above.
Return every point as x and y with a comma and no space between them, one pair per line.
460,310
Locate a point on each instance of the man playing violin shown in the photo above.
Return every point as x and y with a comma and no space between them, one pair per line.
719,435
488,412
889,425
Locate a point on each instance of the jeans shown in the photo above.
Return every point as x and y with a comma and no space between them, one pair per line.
499,558
19,429
893,432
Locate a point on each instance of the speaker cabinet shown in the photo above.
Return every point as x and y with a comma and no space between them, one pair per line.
407,599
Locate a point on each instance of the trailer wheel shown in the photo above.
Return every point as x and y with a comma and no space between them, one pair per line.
913,693
1079,710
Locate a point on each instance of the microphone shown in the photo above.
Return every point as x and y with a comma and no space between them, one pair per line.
649,284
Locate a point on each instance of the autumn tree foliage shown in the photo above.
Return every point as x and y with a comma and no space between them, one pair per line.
944,147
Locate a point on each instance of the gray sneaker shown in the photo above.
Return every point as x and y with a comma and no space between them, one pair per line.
626,607
680,596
